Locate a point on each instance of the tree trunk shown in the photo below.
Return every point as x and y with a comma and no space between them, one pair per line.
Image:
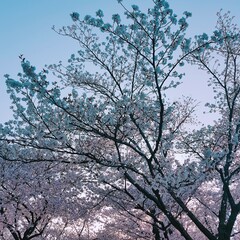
224,233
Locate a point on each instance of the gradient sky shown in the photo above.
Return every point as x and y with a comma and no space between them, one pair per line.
26,29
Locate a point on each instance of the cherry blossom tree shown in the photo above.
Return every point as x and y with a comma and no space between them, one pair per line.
53,200
117,127
217,146
41,200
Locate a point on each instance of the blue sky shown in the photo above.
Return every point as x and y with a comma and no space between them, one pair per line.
26,29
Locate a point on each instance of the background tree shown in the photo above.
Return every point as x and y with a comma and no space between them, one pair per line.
217,146
41,200
118,125
52,200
